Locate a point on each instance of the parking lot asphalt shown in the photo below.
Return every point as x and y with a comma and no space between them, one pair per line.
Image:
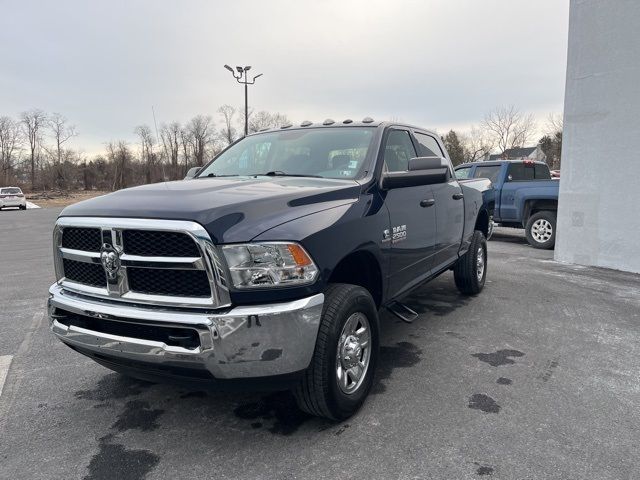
537,377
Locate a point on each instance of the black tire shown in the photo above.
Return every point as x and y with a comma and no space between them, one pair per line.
319,393
537,221
23,207
466,271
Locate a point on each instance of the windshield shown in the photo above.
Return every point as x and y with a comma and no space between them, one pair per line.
316,152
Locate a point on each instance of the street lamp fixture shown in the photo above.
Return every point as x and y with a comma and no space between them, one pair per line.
242,77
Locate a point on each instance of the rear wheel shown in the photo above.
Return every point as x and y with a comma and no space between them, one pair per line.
470,271
343,366
23,207
541,230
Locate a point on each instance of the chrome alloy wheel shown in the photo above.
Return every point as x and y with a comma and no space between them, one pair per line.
354,353
541,230
480,263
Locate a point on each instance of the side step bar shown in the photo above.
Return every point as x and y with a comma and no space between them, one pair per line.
403,312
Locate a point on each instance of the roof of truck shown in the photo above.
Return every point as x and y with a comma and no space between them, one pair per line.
330,123
492,163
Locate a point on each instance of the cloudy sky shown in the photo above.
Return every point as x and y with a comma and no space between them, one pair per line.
438,64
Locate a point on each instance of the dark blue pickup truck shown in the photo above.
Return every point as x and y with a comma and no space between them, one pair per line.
523,196
269,267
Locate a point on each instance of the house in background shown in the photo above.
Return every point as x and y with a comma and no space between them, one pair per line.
519,153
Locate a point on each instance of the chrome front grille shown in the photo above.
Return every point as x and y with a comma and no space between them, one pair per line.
155,281
83,272
158,244
159,262
86,239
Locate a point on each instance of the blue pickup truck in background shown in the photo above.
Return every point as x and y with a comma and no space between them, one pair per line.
523,196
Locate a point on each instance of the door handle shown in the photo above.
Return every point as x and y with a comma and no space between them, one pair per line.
427,202
458,196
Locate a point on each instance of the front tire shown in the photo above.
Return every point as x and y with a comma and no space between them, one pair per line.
470,271
541,230
342,369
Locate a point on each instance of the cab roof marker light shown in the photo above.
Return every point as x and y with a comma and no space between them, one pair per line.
288,125
367,120
328,121
306,123
348,120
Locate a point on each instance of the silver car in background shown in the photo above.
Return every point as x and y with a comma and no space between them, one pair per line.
12,197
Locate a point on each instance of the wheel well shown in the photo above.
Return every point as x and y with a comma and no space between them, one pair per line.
360,268
535,206
482,222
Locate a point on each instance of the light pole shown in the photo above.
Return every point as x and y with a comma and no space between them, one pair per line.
242,76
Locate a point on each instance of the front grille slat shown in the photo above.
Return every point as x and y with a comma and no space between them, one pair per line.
87,239
158,244
181,283
87,273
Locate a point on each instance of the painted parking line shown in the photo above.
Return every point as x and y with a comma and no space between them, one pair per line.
5,362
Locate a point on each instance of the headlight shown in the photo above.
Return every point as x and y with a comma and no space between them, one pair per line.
269,265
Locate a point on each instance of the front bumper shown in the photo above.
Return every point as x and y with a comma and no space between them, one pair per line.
238,343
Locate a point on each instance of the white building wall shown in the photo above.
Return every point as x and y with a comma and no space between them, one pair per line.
599,209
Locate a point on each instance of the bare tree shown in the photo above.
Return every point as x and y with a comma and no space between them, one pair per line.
263,119
147,155
170,136
200,130
10,146
477,144
509,128
120,156
61,132
555,123
32,122
186,141
228,131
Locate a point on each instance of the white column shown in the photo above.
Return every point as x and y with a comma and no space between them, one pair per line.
599,208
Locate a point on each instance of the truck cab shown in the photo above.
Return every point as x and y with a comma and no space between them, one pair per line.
523,196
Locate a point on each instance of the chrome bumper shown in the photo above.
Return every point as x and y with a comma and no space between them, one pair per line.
243,342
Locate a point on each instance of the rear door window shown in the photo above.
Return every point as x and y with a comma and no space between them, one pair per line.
463,173
519,172
542,172
489,171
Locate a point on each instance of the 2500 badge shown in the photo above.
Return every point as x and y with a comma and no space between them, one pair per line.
395,235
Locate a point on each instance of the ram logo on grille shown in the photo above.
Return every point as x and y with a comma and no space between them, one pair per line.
110,259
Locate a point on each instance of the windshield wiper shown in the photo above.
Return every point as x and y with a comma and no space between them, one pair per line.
280,173
218,176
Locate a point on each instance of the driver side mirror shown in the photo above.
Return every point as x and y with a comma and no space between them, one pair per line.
191,173
421,171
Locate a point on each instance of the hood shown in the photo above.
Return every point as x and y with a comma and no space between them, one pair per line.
232,209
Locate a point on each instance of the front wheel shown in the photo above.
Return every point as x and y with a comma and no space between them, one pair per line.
541,230
342,369
491,227
470,271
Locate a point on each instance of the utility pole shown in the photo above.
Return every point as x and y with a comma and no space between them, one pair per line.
242,76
